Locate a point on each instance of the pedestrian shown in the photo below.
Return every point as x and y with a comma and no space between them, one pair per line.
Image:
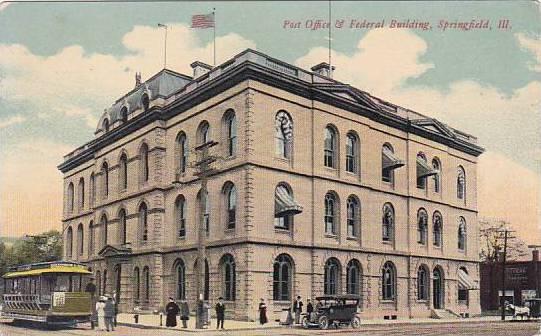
262,312
220,313
319,305
171,310
91,289
309,309
115,303
184,313
109,311
297,309
100,312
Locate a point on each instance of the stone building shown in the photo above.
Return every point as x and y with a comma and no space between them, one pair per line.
319,188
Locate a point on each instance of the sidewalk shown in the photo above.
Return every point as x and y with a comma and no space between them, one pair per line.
153,322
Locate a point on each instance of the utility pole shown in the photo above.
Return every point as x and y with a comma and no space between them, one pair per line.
504,258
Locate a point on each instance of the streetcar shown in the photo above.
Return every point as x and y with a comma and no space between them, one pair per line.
50,292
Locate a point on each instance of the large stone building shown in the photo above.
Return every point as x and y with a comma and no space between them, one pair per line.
320,188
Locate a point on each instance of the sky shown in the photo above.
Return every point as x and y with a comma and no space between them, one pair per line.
62,64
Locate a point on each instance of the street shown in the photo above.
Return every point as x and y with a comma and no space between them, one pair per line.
436,329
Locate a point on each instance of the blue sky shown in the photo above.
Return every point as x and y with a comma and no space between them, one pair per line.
61,64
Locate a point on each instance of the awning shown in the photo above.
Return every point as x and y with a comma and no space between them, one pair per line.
424,169
390,160
285,204
465,281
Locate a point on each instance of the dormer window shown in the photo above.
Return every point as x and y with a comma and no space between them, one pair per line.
124,114
145,101
105,125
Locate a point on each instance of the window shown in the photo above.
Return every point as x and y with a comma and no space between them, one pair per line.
388,281
422,226
389,162
353,276
69,242
81,195
329,152
80,239
229,277
122,225
70,197
181,280
105,179
353,216
203,133
144,167
231,203
124,115
143,222
92,189
146,286
180,208
422,283
331,277
104,227
204,202
438,229
331,217
461,234
284,204
421,177
436,177
123,172
182,150
461,183
283,135
463,292
105,125
352,153
231,126
145,101
388,223
137,284
282,278
91,238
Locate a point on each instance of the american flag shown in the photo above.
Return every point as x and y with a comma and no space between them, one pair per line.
203,21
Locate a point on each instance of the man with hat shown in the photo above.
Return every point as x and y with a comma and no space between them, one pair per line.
91,289
220,313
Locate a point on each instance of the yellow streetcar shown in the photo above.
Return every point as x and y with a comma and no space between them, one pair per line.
50,292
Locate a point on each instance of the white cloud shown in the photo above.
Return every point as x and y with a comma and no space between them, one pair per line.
4,5
13,120
532,45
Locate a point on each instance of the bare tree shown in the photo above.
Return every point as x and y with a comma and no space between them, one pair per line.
491,241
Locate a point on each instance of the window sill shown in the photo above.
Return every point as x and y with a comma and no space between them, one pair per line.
387,301
331,235
282,230
230,230
283,159
437,247
230,158
353,238
181,238
421,301
387,242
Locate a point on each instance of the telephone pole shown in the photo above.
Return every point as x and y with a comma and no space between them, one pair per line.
504,258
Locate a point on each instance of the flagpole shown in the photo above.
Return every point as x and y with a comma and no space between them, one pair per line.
330,29
214,33
165,45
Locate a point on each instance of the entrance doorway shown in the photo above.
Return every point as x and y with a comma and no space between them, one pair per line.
437,285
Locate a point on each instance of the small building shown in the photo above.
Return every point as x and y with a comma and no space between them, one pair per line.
521,282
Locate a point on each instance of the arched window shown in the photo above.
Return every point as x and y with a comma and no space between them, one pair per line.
104,227
231,205
332,277
283,125
331,215
204,203
229,277
461,183
105,179
122,226
353,277
137,284
436,178
80,239
124,115
463,292
422,226
180,215
105,125
145,102
461,234
388,222
91,238
144,167
123,172
203,133
421,178
330,146
437,219
422,283
352,153
231,128
283,200
389,162
207,279
143,222
146,284
70,197
181,280
388,281
69,242
282,278
81,195
182,150
353,215
92,189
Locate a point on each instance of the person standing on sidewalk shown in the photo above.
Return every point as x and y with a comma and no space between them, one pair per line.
297,309
100,311
171,310
220,313
309,309
184,313
262,312
91,289
109,311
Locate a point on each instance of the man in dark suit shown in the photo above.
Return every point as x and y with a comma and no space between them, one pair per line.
297,309
220,313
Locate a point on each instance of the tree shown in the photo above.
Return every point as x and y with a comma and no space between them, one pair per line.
491,241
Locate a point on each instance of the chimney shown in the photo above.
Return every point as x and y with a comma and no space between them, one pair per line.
323,69
535,255
200,68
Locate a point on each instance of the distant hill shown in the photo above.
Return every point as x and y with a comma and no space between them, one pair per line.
9,240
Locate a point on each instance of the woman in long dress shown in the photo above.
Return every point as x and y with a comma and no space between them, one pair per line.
100,311
263,312
172,311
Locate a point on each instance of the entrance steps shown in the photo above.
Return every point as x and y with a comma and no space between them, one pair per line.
446,314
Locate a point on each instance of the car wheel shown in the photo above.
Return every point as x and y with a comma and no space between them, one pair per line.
356,322
324,322
305,322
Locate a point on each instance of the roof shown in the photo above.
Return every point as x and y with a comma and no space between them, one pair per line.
49,267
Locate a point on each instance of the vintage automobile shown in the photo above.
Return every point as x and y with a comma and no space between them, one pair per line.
334,310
